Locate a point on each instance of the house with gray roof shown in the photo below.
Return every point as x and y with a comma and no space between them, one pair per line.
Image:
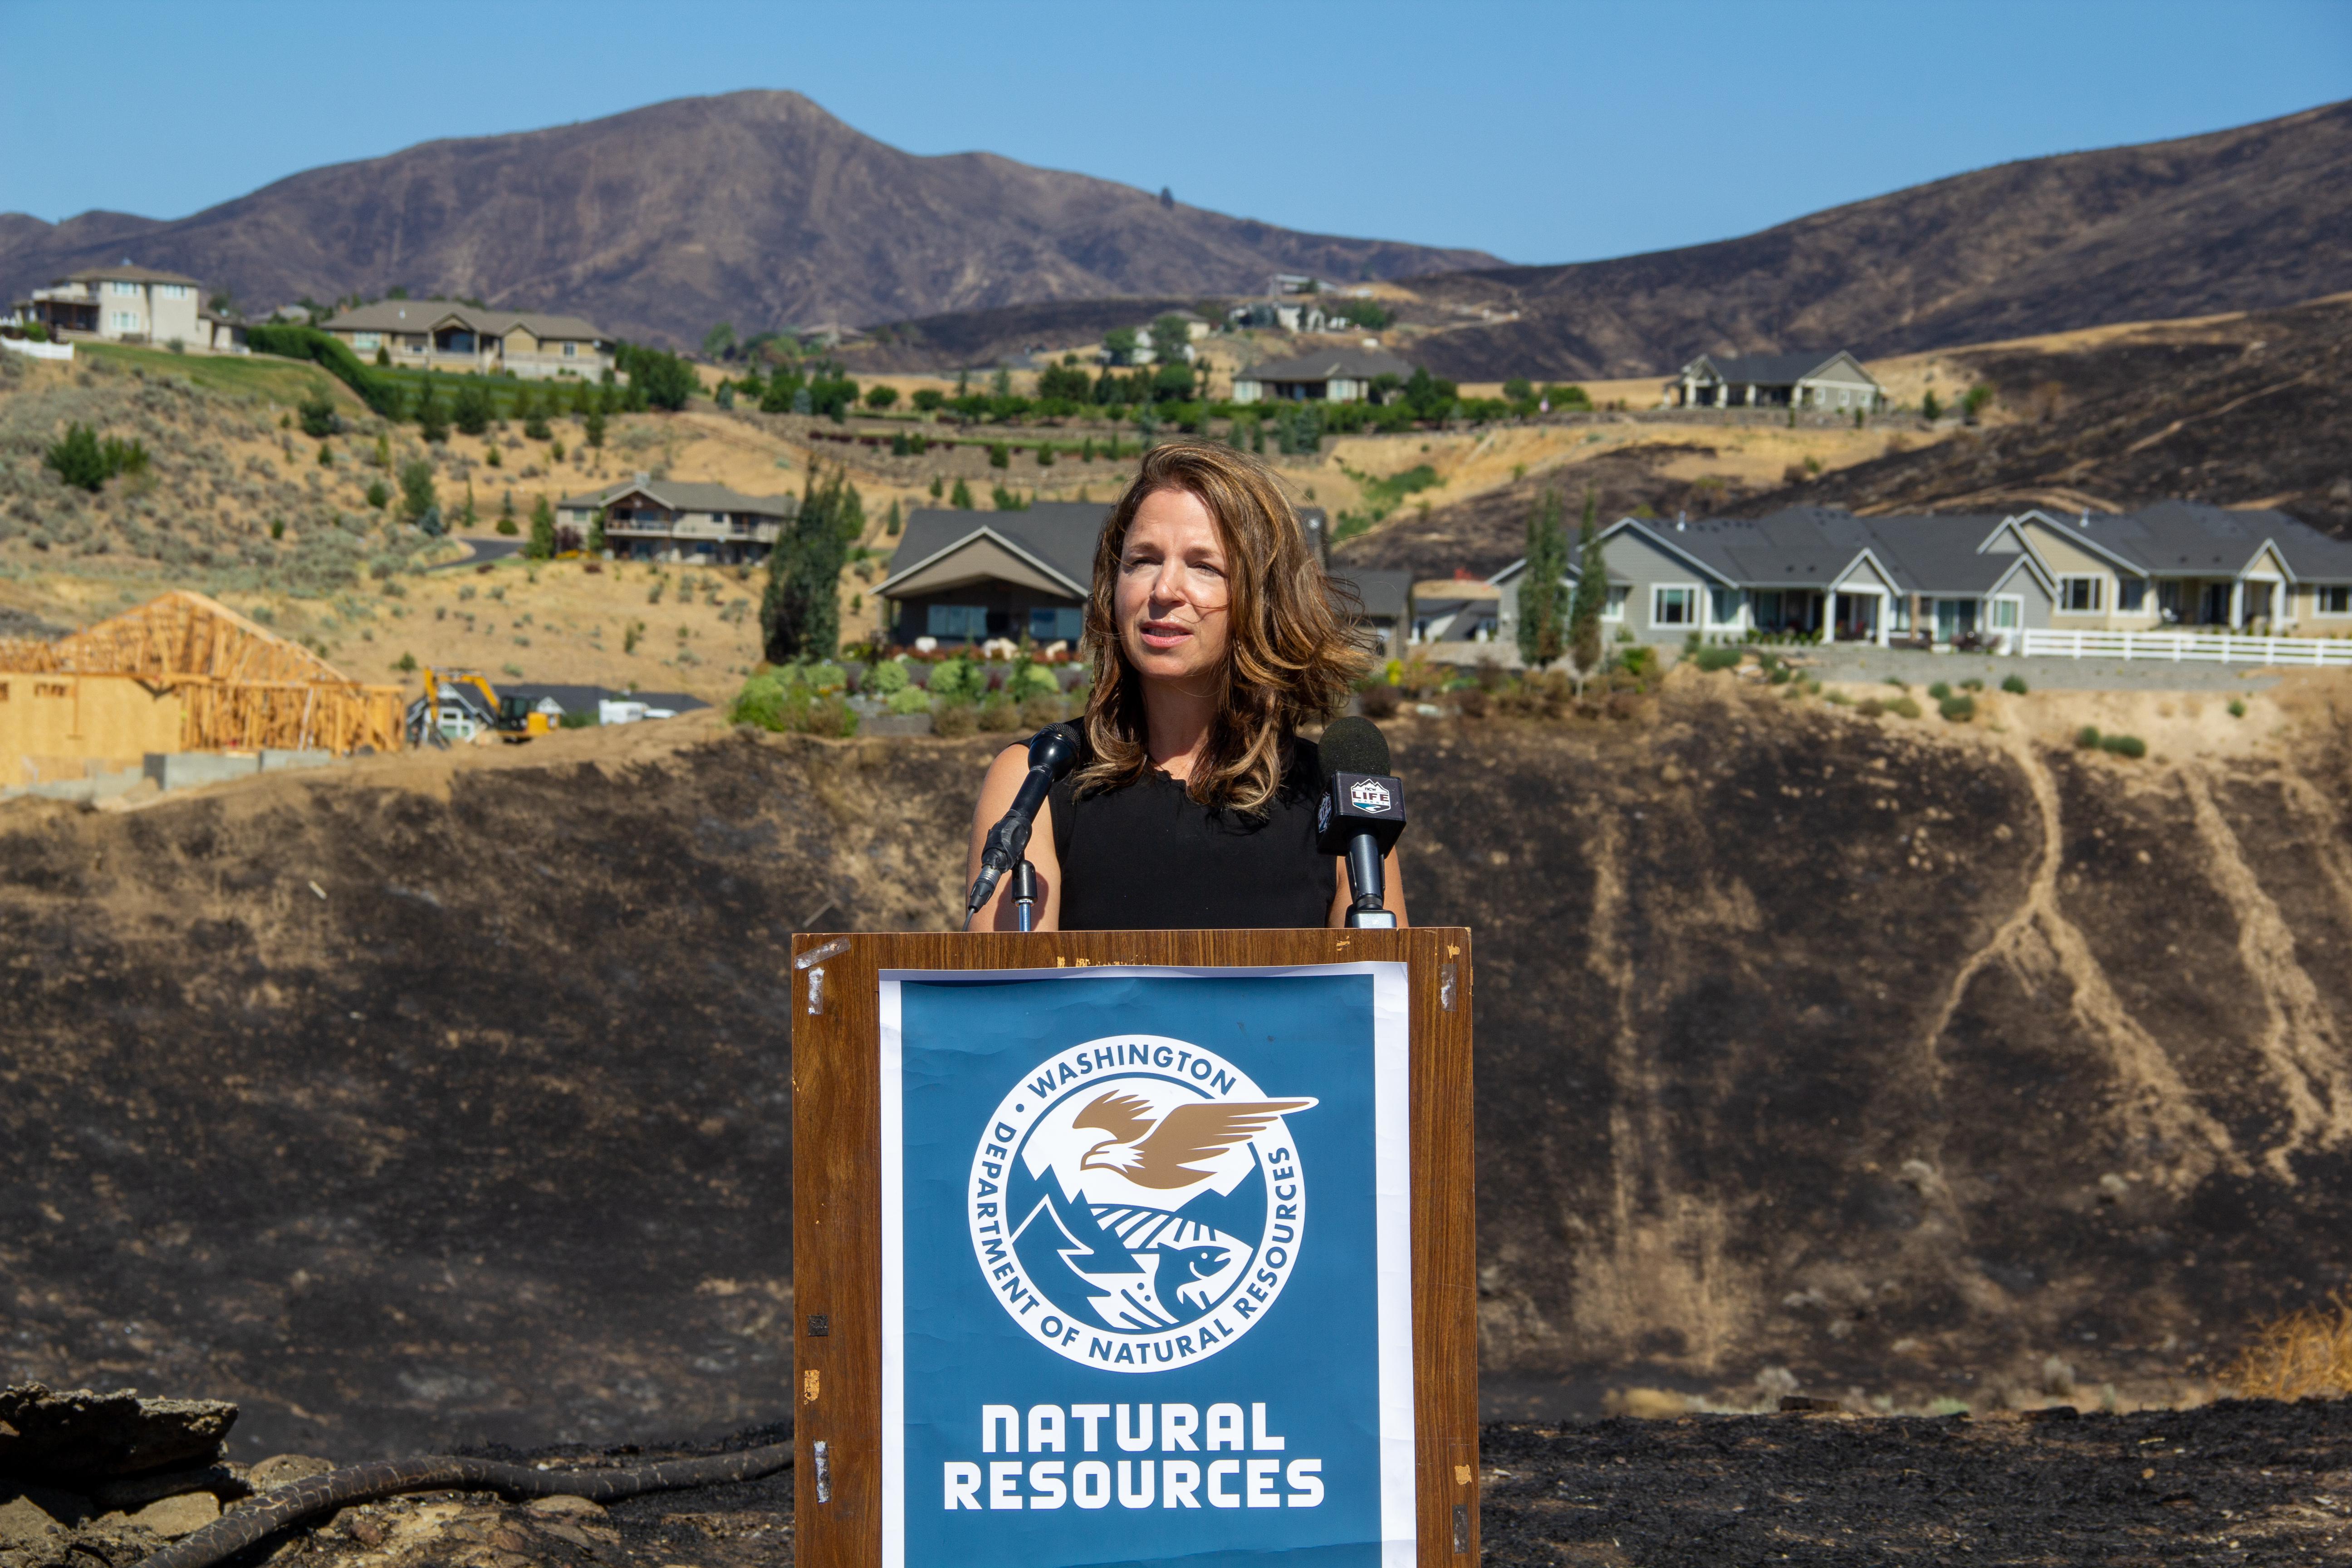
1833,381
1955,580
967,576
1332,375
2187,564
645,519
434,334
970,576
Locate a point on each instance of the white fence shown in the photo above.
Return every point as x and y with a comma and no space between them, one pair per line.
2182,646
37,351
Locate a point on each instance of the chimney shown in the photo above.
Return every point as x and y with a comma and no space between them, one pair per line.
1681,522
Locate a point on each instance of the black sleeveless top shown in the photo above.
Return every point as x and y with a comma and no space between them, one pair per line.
1144,856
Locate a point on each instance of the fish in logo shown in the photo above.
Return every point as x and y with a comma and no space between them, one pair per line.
1146,1206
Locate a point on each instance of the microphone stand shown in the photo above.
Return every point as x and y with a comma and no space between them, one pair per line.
1024,894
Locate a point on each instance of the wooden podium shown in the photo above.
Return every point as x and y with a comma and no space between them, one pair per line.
838,1203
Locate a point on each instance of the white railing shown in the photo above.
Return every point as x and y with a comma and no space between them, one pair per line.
2183,646
37,351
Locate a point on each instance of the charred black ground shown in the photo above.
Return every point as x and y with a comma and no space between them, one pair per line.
421,1107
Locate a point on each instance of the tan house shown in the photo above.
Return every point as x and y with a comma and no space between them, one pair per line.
131,304
433,334
2186,564
645,519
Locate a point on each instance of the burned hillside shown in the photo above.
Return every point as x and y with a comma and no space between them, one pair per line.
2241,411
432,1103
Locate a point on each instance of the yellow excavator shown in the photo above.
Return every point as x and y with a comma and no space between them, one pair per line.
459,704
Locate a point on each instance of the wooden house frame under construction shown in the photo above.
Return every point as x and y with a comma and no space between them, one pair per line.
180,673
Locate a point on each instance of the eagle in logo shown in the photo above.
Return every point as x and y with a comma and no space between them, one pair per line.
1121,1169
1160,1152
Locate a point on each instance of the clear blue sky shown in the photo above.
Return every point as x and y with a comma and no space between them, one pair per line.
1537,131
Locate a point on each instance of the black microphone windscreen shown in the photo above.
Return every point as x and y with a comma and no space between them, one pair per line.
1054,748
1354,745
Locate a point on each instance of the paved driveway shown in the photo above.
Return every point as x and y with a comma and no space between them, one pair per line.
495,548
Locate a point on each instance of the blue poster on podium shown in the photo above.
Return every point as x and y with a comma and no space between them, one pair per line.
1146,1268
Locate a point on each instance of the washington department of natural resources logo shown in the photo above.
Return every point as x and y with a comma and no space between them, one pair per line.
1137,1203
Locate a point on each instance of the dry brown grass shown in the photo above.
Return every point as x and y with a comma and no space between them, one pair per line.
2308,1352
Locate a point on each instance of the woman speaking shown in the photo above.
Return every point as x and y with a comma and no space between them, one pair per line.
1214,637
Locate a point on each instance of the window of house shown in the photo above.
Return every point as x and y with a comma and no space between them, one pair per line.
1725,605
1615,609
126,321
171,290
2332,599
2080,596
571,350
126,290
367,339
1060,624
2007,612
2131,592
1676,607
966,622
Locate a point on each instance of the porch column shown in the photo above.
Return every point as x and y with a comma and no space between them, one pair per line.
1885,618
2236,602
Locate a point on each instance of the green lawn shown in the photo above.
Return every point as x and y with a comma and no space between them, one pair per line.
285,381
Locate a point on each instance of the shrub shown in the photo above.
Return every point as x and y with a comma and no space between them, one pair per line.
999,713
1712,659
957,681
1781,675
1870,708
1972,684
955,720
2237,707
886,679
1038,710
2124,745
907,699
1903,706
1379,701
84,461
2306,1354
2014,683
2087,737
318,415
1959,710
1029,680
1640,660
1939,691
1000,455
1898,682
1840,698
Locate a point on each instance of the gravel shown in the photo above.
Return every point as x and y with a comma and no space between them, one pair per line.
1857,661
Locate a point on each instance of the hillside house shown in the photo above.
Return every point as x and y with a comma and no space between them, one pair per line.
645,519
1333,376
970,576
126,304
1966,581
433,334
1834,382
966,576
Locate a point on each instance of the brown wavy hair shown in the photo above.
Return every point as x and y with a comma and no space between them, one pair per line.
1295,648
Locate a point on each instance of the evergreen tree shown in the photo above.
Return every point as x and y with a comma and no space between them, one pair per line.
800,613
431,423
1591,597
890,524
961,497
542,532
595,423
1543,597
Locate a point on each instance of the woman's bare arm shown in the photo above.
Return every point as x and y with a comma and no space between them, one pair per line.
1391,892
996,792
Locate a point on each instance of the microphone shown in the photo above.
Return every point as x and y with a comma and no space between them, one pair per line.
1361,815
1051,752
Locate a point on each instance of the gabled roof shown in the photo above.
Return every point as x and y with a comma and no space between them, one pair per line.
1775,370
1352,364
1383,593
2187,539
423,315
126,273
682,495
1056,537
